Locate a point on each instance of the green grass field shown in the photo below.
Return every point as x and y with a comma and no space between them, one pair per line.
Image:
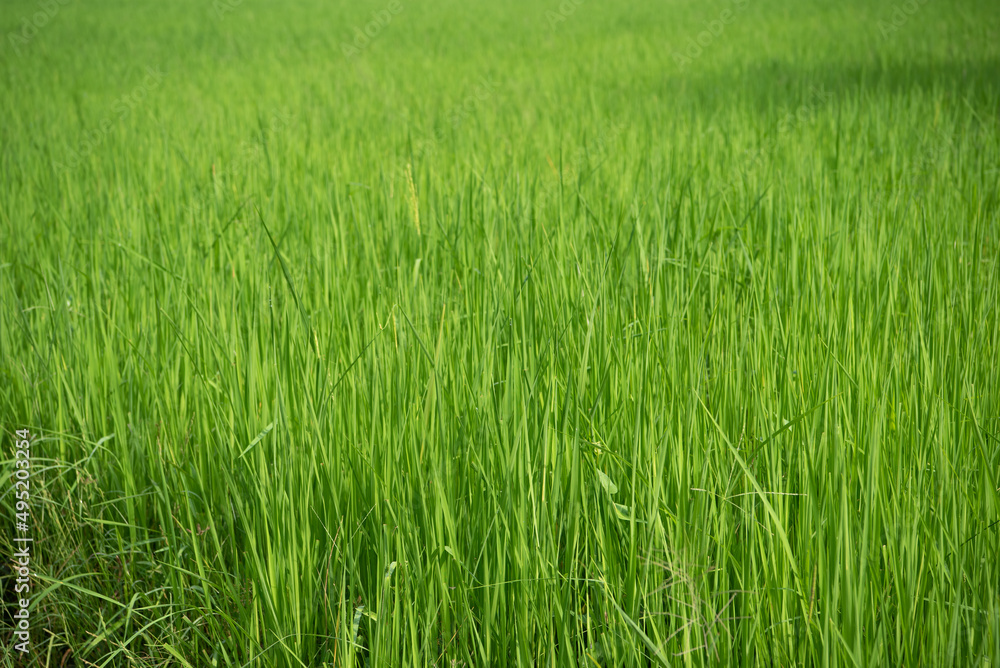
507,334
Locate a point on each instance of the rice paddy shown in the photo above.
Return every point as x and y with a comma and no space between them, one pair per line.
428,333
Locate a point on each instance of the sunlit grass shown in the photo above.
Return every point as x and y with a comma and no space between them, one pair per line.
507,341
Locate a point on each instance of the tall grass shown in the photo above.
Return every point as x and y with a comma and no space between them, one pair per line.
616,362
